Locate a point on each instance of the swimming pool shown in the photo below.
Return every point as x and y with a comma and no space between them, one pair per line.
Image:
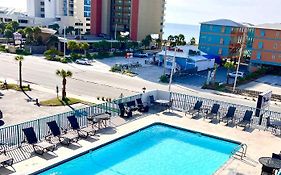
158,149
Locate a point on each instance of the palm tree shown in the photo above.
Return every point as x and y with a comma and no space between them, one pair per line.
20,58
8,34
51,43
64,74
36,36
84,46
192,41
29,34
229,66
181,39
72,45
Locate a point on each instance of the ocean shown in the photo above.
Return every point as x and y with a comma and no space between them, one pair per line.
187,30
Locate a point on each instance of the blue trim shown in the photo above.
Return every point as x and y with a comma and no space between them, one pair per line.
262,38
119,138
265,62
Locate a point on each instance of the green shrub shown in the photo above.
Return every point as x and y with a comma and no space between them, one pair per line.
21,51
75,56
63,60
2,48
116,68
164,79
119,53
103,54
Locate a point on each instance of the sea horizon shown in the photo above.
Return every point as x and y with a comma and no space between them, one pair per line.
188,30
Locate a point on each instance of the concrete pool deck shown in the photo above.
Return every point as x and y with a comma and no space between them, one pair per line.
260,143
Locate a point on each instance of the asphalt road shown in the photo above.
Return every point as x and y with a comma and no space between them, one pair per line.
92,82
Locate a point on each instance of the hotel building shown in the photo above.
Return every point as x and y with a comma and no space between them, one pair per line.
138,17
67,13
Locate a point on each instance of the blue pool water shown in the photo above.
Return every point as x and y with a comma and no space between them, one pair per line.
156,150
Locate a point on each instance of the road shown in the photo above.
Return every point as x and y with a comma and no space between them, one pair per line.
96,81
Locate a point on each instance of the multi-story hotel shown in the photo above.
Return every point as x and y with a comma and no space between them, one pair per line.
221,38
266,49
67,13
138,17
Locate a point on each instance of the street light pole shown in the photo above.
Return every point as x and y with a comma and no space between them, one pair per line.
172,70
64,35
239,60
164,60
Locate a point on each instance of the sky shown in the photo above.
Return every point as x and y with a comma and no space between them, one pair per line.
196,11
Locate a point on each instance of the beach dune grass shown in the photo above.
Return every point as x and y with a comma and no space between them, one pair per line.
60,102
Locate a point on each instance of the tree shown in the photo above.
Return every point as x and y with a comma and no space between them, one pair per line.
55,27
52,41
84,46
158,42
146,41
64,74
70,29
8,34
229,65
20,58
192,41
72,45
28,31
2,27
15,25
36,36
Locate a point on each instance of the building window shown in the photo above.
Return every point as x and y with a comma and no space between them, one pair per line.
273,57
262,32
277,34
220,51
260,45
221,41
259,55
23,21
211,28
223,29
275,45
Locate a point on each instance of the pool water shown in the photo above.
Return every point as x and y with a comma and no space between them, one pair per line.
156,150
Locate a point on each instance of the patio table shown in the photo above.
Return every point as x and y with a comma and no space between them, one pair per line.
270,162
99,119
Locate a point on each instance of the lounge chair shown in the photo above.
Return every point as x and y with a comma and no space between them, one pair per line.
82,132
195,109
6,160
247,119
132,105
39,147
124,111
64,138
141,106
276,156
229,115
151,100
214,112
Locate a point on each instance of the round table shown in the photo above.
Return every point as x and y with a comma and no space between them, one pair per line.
270,162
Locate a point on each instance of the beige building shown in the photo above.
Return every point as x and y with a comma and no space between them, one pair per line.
138,17
75,13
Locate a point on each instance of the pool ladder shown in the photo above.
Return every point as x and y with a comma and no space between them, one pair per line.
240,151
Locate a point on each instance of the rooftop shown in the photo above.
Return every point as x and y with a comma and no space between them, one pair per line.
254,137
273,26
223,22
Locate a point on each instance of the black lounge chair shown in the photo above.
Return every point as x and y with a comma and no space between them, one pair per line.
276,156
214,112
132,106
64,138
124,111
195,109
141,106
247,119
39,147
6,160
151,100
82,132
229,115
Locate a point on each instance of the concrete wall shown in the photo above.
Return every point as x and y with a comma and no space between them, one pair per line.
50,8
33,9
150,17
105,28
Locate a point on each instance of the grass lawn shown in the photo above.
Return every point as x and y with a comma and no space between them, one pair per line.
14,87
60,102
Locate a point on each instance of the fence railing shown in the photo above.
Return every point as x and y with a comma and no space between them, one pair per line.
185,102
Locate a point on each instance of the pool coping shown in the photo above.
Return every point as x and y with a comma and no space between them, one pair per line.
131,133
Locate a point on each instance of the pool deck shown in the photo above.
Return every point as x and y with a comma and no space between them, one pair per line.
260,143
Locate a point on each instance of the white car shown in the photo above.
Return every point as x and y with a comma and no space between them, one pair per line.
233,74
83,61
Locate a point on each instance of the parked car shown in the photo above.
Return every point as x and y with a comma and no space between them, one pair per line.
233,74
140,55
83,61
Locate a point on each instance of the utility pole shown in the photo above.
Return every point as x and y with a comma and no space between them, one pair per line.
172,70
164,60
239,60
64,35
